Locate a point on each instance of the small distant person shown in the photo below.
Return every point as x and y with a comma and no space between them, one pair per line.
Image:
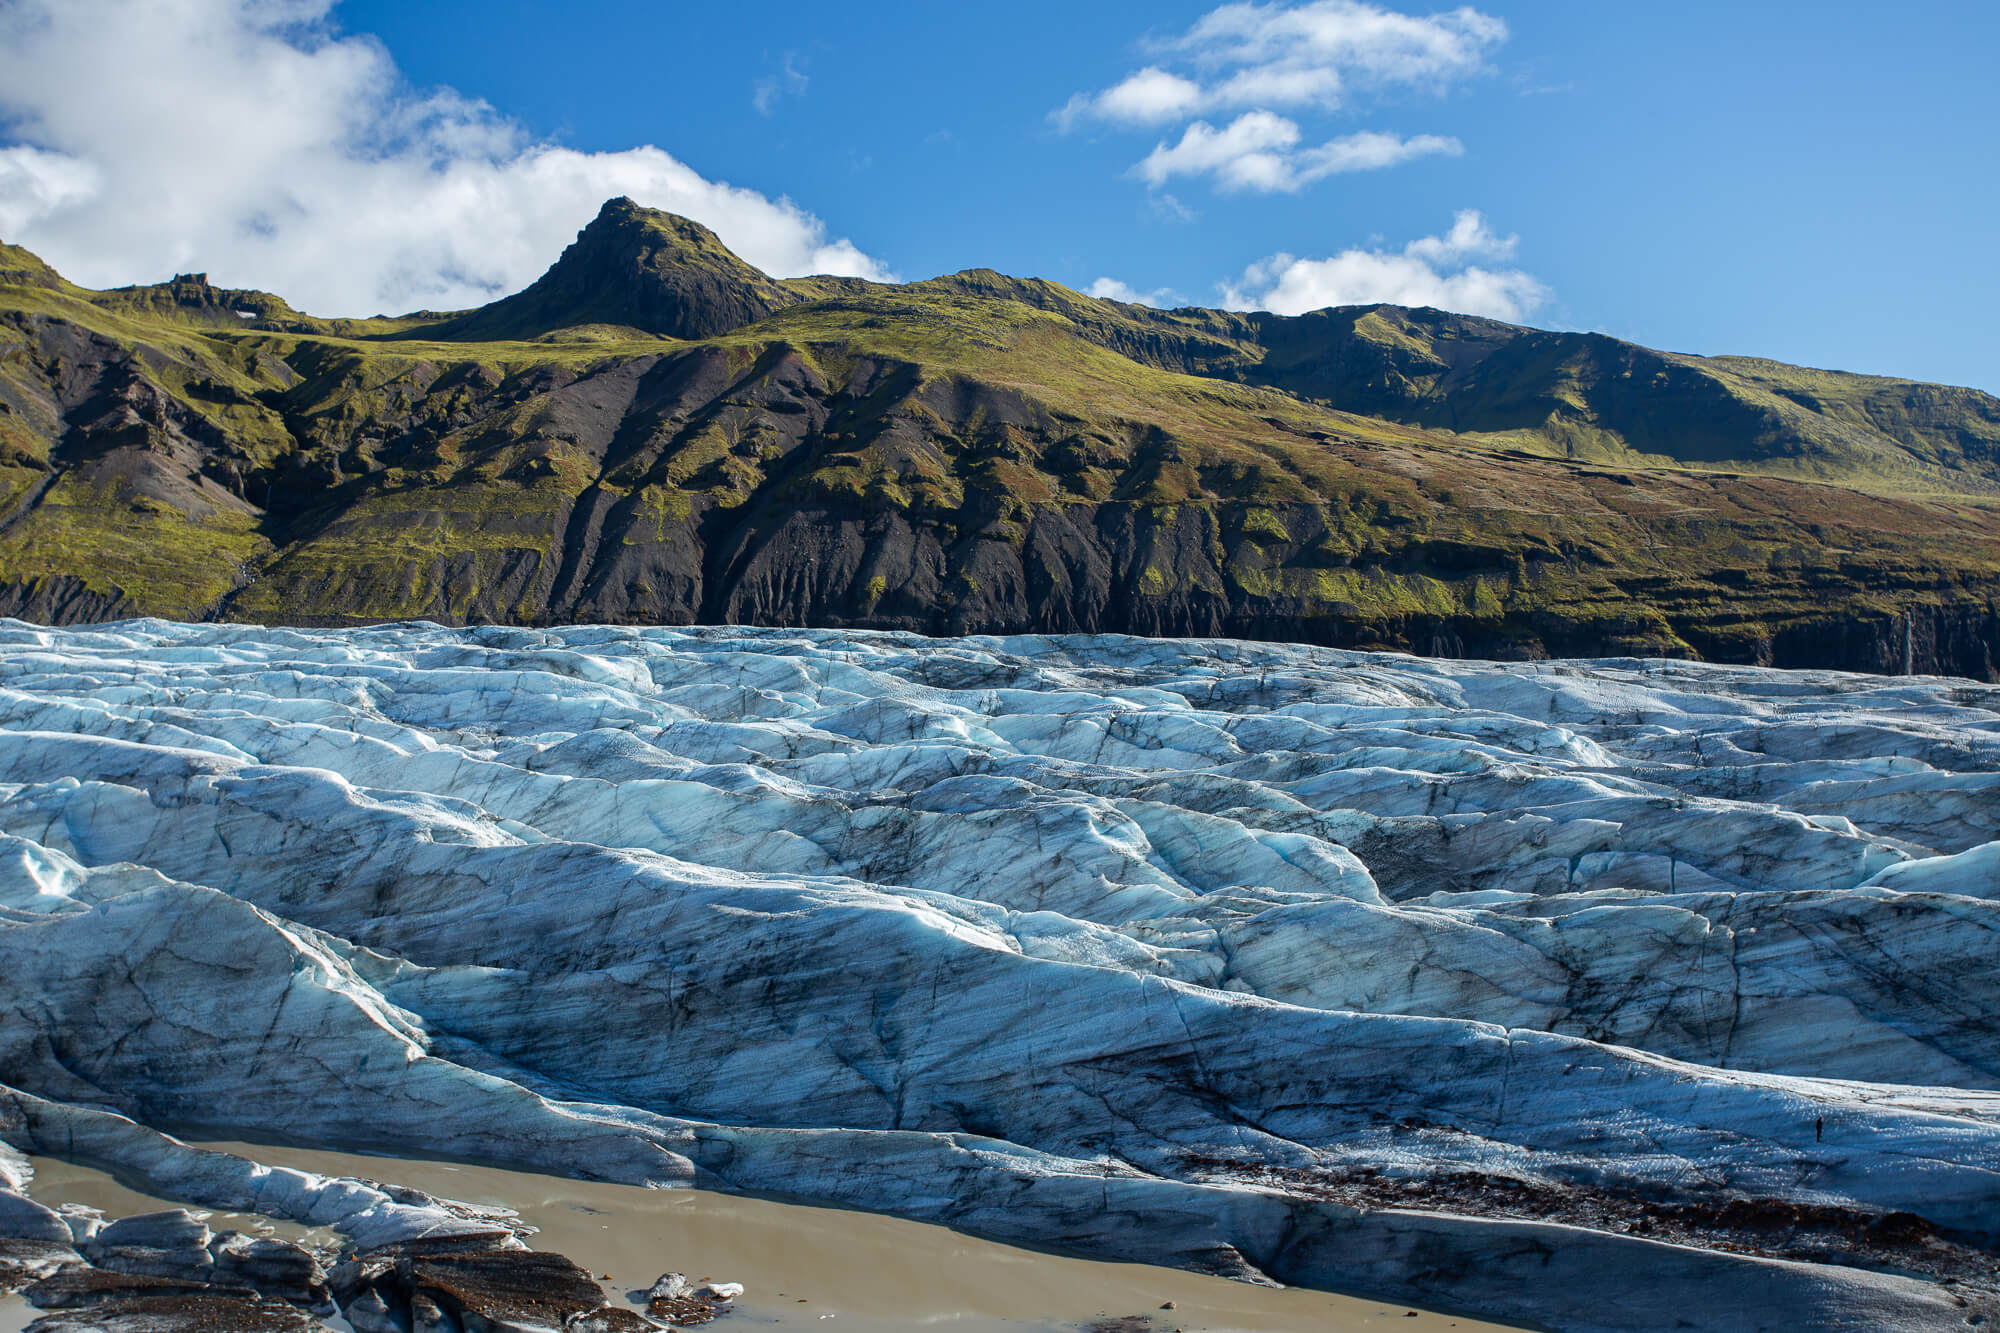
1819,1127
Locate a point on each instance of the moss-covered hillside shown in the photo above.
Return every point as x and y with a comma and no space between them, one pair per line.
656,432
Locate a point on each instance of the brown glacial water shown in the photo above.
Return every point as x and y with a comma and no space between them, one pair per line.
804,1267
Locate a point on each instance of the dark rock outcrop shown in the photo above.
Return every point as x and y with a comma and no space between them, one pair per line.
84,1299
637,268
458,1289
82,1287
90,1300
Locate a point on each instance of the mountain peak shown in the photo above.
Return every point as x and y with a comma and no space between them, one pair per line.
639,267
624,221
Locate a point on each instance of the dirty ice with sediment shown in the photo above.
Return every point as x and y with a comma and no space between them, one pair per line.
1478,985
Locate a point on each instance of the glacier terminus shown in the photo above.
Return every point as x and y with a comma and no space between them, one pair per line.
1488,986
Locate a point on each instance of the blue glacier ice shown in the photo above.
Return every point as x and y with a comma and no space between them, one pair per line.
1269,960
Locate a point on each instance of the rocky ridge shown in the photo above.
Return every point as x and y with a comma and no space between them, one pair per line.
654,432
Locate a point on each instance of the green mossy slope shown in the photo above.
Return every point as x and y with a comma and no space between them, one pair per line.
976,452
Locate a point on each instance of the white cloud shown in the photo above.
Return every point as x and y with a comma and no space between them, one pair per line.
1363,40
1258,151
246,138
1305,55
1250,153
1110,289
1469,238
1150,97
1429,271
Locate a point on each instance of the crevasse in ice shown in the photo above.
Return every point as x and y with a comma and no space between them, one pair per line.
1138,946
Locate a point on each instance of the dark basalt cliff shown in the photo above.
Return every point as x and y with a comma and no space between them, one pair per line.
656,432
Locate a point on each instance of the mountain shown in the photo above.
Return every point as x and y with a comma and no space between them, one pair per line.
1591,397
635,269
657,432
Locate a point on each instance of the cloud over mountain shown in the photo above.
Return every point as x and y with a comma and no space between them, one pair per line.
251,139
1430,271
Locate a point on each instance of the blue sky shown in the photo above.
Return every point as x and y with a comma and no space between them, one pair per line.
1810,184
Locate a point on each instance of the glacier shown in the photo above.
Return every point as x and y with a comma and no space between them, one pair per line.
1492,986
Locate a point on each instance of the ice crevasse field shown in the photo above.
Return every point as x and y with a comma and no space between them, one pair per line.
1464,982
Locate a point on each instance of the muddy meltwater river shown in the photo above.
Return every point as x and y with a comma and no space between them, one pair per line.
803,1267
